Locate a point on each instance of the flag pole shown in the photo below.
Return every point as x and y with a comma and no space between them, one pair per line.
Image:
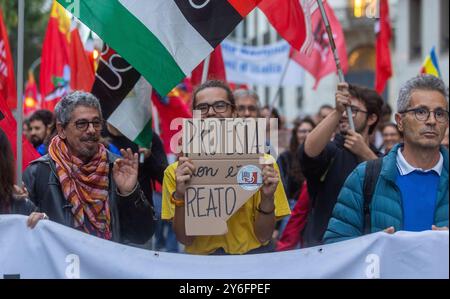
277,93
205,68
336,57
20,38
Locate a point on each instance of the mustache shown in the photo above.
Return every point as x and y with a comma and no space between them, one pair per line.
428,130
90,138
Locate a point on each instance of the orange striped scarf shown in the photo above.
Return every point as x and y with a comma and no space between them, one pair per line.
85,186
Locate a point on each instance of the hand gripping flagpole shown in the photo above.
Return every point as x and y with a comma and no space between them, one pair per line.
336,57
19,110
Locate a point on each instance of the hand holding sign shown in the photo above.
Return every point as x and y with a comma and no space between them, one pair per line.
183,175
270,180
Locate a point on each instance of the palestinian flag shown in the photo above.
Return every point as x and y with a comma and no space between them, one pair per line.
163,39
124,97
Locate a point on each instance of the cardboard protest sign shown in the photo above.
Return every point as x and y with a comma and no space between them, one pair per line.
227,155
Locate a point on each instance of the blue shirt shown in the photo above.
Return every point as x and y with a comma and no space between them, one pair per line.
419,193
42,149
419,189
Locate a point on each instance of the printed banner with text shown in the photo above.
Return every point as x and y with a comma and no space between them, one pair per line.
55,251
262,65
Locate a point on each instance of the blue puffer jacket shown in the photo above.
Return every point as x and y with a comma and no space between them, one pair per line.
386,206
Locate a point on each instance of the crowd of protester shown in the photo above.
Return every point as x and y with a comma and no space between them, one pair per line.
90,177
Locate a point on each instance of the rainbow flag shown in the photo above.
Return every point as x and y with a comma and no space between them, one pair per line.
430,65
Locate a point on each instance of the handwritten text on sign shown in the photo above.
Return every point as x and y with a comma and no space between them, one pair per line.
226,154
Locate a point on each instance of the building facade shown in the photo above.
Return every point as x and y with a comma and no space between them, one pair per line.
417,26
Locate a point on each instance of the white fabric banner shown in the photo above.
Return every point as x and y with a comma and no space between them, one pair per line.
55,251
261,64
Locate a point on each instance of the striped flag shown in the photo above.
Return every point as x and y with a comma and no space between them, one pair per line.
124,97
133,117
163,39
170,107
431,65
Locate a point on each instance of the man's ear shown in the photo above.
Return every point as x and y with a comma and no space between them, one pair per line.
398,120
61,131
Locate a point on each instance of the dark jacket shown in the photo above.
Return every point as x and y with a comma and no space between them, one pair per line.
386,205
291,183
132,219
23,207
325,175
153,167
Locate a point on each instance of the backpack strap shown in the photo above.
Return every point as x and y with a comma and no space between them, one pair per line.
373,169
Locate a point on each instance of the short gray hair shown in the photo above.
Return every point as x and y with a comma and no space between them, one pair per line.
420,82
68,103
243,93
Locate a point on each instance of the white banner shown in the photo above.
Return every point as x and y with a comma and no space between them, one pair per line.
55,251
262,65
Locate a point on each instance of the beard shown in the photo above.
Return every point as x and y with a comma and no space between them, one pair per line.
87,150
36,141
345,126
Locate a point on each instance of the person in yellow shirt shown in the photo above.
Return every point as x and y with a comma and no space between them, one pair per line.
250,228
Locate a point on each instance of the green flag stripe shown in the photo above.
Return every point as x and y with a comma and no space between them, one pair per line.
144,138
131,39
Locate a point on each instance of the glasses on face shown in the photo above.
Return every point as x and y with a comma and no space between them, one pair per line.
243,108
218,107
83,124
422,114
355,110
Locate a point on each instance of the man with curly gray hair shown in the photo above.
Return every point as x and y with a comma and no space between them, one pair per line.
410,184
80,184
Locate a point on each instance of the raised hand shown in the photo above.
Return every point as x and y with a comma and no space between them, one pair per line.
270,182
342,97
125,171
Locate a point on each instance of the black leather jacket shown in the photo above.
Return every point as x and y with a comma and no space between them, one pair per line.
22,206
132,217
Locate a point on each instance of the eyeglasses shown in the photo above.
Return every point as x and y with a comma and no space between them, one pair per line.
422,114
83,124
218,107
355,110
242,108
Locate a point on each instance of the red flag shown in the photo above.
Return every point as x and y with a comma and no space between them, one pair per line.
321,62
32,96
82,75
55,67
288,18
9,126
383,55
8,88
169,108
216,68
